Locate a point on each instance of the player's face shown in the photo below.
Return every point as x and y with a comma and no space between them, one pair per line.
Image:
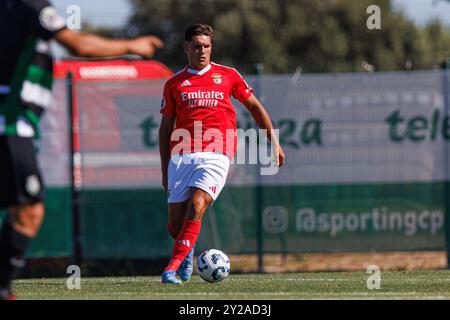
198,51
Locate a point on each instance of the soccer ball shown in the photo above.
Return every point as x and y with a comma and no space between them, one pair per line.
213,265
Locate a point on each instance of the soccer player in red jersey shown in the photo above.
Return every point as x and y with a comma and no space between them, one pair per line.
195,149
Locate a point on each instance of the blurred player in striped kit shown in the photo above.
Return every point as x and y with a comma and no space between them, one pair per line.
26,27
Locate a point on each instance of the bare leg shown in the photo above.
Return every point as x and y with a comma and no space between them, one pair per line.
27,219
198,203
177,215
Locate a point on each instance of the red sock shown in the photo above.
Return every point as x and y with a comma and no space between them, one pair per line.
184,243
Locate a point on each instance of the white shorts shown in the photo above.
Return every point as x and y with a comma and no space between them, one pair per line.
204,170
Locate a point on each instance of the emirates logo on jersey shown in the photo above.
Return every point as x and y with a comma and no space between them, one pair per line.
217,78
201,98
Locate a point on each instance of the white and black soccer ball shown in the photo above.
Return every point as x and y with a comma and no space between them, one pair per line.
213,265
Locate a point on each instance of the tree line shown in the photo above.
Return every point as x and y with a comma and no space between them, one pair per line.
288,35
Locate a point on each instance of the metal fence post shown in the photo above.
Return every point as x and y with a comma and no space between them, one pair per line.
258,71
446,91
75,176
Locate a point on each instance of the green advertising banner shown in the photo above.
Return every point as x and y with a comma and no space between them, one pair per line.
380,217
367,168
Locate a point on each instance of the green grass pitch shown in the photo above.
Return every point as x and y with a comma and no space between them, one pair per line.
283,286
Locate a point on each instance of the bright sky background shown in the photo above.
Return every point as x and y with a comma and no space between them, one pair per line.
111,13
422,11
114,13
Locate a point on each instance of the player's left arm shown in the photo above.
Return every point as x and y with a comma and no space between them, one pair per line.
93,46
262,119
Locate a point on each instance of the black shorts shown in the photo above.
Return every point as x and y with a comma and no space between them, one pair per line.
20,179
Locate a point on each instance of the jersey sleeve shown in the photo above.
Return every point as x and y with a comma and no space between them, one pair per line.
240,89
44,20
168,105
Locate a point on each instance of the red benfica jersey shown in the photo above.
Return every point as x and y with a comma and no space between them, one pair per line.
200,101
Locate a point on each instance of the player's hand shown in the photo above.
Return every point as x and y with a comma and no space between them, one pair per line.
145,46
280,156
164,182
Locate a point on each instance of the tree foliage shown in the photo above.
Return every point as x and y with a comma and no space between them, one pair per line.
315,35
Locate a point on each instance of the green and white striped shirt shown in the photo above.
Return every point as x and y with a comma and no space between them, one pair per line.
25,86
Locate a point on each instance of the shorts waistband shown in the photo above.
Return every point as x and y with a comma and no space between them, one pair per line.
199,154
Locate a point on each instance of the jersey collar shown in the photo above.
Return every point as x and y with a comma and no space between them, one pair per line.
199,72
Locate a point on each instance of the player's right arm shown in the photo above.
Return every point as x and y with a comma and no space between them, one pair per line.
89,45
165,132
168,111
45,21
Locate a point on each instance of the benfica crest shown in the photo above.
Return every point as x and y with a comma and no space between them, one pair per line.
217,78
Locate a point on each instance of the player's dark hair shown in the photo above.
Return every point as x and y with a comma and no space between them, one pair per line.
198,30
